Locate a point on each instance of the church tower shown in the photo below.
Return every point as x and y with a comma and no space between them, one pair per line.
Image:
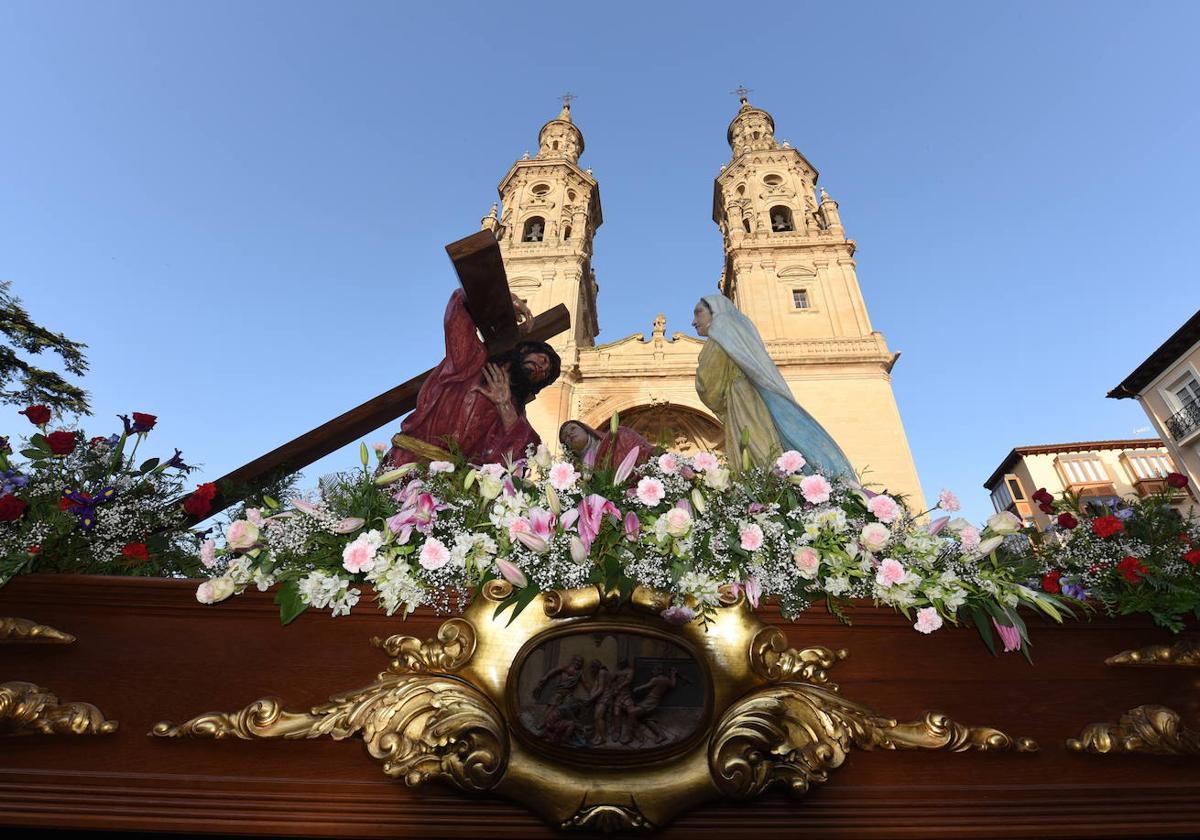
790,268
550,213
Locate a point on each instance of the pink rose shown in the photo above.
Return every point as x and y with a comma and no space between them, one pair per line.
808,561
890,573
790,462
815,489
928,620
434,554
751,537
241,535
884,508
874,536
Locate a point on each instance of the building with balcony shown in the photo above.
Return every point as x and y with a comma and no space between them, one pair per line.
1099,471
1167,385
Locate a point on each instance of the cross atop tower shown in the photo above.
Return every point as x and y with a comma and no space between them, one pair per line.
567,98
741,92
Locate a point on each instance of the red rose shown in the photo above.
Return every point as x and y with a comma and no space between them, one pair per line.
39,415
1043,497
1105,526
1177,480
143,422
1066,520
135,553
61,443
1046,507
1132,569
1050,582
199,504
1193,557
11,508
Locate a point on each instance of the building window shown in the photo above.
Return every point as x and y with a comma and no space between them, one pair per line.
1001,499
781,219
1148,466
1185,394
566,232
1187,391
800,298
1082,469
746,224
773,180
540,189
535,230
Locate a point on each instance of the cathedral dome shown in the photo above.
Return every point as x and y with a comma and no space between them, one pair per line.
559,138
752,129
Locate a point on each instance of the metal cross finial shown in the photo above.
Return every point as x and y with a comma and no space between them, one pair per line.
742,92
567,98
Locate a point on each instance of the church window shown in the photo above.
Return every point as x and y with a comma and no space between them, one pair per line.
540,189
570,195
555,146
781,219
566,232
746,224
741,190
535,230
800,298
773,180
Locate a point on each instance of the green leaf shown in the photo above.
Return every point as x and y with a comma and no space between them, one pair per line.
34,454
290,605
524,599
39,441
984,627
148,465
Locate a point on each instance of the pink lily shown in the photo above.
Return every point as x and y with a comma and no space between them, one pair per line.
1011,636
589,458
541,522
936,526
533,542
686,505
591,513
753,591
306,506
512,574
349,524
633,526
625,467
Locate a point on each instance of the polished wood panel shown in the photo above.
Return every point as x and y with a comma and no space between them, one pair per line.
146,651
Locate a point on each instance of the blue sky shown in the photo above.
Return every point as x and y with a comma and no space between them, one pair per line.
241,206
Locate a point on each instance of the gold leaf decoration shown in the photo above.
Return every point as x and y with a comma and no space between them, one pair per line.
571,603
420,726
794,734
23,631
1184,653
608,818
28,709
453,648
772,659
1154,730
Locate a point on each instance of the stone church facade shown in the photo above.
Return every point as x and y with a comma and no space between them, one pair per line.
788,266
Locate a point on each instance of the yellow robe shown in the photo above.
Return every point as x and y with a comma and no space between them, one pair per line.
733,398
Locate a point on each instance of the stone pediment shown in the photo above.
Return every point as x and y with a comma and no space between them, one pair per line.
640,355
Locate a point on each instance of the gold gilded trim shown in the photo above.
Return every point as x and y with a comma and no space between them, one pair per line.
1185,653
1155,730
420,727
453,648
607,818
28,709
23,631
571,603
772,659
794,734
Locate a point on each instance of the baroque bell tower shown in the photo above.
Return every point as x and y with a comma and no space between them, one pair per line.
549,213
790,268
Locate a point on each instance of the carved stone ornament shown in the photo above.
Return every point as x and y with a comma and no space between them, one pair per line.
597,714
28,709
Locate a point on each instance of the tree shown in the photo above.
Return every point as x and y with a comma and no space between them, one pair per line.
23,384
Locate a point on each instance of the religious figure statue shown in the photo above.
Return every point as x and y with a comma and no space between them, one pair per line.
738,381
473,401
606,450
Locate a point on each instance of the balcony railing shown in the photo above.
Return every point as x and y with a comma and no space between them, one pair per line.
1182,423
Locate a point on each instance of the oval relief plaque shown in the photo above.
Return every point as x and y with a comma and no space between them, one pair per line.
615,691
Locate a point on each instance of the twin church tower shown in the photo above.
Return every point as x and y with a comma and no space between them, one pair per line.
788,266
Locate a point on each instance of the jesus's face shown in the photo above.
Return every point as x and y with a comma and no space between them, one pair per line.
536,367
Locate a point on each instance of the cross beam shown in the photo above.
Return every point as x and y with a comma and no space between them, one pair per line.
480,270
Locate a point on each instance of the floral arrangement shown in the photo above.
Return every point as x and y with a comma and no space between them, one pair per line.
1133,556
432,534
85,505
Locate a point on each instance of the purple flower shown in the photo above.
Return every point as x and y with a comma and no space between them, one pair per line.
755,507
678,614
1124,514
176,461
1073,591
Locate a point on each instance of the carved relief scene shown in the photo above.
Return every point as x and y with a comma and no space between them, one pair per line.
610,691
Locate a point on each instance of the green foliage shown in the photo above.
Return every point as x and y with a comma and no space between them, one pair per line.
21,383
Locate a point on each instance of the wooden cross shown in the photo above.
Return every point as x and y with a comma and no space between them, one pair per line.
481,273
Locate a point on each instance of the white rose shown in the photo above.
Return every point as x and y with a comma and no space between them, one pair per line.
874,536
212,591
678,522
717,479
1004,523
241,535
489,486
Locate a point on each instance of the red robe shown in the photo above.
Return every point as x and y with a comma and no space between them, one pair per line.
447,405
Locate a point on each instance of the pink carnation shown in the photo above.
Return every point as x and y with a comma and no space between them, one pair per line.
434,554
969,537
890,572
705,461
650,491
751,537
668,463
928,620
563,476
790,462
815,489
948,501
884,508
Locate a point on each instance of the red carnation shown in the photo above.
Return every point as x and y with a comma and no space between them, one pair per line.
39,415
1177,480
1050,582
199,504
1132,569
135,553
61,443
1043,497
1066,520
1105,526
1193,557
11,508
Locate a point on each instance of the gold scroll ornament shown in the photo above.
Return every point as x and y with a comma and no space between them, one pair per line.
447,708
28,709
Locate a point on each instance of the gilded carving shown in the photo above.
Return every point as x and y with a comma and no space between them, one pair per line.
1155,730
794,734
607,818
453,647
420,727
1184,653
772,659
28,709
24,631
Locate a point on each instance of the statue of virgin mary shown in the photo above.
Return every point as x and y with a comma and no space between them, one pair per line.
738,381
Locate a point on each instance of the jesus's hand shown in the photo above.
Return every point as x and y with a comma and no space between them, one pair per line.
499,391
524,316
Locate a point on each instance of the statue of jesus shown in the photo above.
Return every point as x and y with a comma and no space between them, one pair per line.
475,401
